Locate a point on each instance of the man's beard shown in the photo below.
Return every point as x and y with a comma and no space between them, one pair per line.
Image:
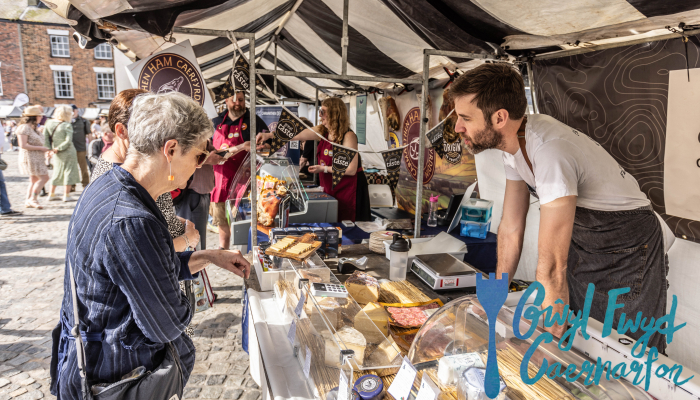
235,114
487,138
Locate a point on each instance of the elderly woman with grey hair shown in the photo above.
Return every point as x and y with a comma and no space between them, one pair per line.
122,257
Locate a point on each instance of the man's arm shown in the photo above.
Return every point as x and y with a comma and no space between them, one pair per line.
556,225
516,203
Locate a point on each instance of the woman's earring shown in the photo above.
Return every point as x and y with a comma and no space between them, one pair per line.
171,177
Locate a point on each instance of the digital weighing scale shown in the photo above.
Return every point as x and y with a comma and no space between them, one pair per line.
444,271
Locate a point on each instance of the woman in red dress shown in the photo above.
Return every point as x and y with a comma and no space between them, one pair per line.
351,192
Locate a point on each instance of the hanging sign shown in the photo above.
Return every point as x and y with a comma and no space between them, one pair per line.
271,115
361,118
436,139
287,127
342,157
411,131
450,152
223,92
392,160
174,69
241,75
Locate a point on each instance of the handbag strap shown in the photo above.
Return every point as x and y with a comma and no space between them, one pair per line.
79,346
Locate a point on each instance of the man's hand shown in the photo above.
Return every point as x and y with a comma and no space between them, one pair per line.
262,137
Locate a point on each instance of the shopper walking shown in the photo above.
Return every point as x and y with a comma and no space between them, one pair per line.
58,136
31,153
81,128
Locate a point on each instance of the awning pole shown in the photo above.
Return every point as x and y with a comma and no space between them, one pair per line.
530,77
274,90
253,158
421,143
315,124
346,6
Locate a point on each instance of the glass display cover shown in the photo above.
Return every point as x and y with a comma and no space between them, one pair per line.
238,202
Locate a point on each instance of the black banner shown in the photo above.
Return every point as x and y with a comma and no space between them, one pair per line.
287,127
392,160
436,138
342,157
241,75
223,92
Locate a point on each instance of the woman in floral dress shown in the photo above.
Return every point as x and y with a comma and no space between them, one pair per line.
32,159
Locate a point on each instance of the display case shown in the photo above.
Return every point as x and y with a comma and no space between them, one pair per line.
455,338
238,205
333,328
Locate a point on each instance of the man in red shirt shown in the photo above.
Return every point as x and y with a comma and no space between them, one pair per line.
233,133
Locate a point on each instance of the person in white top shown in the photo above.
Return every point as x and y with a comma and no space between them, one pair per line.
596,225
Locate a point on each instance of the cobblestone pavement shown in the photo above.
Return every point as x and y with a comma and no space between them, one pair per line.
32,253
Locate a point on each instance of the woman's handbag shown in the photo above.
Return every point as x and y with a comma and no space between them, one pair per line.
163,383
3,164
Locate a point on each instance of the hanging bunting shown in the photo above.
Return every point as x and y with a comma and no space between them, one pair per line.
288,126
241,75
342,156
450,152
223,92
392,160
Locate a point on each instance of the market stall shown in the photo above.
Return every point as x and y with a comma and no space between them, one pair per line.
392,48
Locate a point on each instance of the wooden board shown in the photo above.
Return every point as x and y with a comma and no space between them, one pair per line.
307,238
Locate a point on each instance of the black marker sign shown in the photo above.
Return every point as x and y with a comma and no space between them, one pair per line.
342,157
392,160
241,75
288,126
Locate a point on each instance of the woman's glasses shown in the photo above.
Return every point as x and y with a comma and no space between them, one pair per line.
322,113
202,157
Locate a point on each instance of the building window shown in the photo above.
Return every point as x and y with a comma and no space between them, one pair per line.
105,86
0,85
63,82
103,51
59,46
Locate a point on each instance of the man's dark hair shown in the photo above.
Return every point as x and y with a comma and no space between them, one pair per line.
496,86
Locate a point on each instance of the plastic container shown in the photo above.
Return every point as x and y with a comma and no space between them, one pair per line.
477,210
432,212
473,229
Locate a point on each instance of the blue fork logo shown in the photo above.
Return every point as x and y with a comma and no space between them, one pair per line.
492,294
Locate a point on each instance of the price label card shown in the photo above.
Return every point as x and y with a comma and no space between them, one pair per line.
343,386
401,387
300,305
291,335
428,390
283,302
307,362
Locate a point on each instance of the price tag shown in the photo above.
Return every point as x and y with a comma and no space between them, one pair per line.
342,386
428,390
401,386
291,335
283,302
307,362
300,305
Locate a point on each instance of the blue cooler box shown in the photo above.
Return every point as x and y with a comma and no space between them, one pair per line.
473,229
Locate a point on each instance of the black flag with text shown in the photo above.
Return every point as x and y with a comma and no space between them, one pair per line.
288,126
392,160
223,92
436,138
241,75
342,157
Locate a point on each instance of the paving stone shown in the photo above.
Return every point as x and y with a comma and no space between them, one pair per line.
252,384
219,368
4,382
18,392
10,372
251,395
19,377
211,392
235,380
191,392
233,394
21,359
215,380
196,380
33,395
218,356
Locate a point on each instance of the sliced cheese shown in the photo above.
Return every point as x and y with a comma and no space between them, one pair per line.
451,367
362,293
300,248
328,308
373,323
384,355
348,338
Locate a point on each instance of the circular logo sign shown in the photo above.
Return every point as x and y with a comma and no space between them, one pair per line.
325,152
393,140
393,162
341,161
410,131
369,384
170,72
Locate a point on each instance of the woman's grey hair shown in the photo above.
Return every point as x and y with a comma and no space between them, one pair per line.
157,118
